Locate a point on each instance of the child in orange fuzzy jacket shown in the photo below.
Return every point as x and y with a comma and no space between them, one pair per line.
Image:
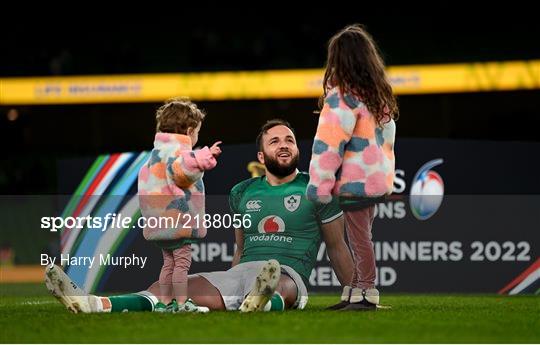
170,186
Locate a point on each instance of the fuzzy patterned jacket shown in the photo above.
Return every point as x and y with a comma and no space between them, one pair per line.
351,156
170,185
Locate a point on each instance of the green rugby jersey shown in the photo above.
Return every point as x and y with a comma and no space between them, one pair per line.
285,225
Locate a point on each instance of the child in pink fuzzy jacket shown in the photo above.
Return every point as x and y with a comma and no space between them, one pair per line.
171,186
353,150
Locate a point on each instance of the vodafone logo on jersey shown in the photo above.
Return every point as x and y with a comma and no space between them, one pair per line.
271,224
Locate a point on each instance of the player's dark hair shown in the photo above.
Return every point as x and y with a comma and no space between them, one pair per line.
268,125
355,66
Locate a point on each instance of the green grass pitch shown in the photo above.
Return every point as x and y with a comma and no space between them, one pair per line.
28,314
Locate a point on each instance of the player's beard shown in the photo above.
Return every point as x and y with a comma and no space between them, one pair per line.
280,170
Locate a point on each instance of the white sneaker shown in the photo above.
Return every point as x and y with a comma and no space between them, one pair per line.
265,285
203,310
68,293
363,299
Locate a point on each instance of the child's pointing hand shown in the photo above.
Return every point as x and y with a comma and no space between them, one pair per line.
215,150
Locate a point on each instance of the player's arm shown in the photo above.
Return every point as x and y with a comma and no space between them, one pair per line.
239,237
340,256
235,197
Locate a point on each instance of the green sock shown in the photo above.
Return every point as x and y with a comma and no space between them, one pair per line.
276,303
132,302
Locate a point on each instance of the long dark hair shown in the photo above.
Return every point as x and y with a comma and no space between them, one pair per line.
356,67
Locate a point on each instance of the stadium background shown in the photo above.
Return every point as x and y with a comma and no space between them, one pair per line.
48,148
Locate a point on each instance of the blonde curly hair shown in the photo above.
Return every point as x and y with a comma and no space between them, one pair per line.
177,115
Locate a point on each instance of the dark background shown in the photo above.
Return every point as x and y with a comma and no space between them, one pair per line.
191,40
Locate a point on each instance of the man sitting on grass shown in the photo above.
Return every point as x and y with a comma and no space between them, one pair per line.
274,256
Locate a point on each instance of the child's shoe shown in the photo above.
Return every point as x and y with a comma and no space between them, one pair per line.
172,307
160,308
190,307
